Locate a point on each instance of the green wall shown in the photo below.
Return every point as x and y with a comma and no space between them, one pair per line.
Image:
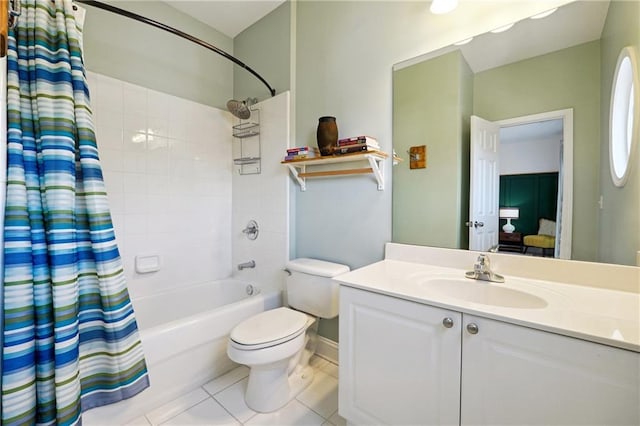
266,48
343,66
345,51
140,54
536,194
569,78
428,102
619,224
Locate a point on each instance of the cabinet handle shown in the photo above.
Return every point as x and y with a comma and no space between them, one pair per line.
472,328
447,322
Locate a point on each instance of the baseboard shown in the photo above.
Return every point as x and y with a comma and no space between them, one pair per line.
327,349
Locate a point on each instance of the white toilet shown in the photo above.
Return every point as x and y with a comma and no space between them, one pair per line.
273,344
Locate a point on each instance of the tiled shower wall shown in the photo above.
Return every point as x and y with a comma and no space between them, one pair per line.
167,168
264,198
169,172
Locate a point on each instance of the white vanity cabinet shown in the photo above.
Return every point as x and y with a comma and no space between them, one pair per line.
401,365
518,375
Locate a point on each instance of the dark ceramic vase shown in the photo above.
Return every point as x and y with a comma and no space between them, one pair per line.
327,135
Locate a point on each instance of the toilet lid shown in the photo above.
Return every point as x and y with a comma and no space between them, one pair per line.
269,326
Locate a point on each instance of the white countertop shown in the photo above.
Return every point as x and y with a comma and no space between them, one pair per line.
606,316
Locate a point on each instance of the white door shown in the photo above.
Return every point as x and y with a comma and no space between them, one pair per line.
399,361
517,375
484,190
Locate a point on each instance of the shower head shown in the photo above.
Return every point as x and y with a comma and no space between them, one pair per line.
241,109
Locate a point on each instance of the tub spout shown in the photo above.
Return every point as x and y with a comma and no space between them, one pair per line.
245,265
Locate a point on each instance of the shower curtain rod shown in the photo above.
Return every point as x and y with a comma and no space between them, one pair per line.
177,32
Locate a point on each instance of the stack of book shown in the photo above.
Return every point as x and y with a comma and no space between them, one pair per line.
356,144
302,153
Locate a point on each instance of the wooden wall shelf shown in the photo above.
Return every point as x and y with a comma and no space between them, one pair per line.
299,168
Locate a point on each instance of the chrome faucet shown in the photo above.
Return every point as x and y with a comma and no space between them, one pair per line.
482,270
245,265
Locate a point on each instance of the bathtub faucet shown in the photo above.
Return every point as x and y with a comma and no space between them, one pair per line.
245,265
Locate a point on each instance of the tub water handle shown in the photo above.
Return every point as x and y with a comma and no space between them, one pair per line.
251,230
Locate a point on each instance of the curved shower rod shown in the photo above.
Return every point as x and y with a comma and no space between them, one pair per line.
179,33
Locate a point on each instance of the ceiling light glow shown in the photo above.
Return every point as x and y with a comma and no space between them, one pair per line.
440,7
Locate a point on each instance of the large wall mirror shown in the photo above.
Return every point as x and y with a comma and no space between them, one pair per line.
515,124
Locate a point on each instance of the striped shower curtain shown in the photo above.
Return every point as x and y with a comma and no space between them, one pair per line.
70,339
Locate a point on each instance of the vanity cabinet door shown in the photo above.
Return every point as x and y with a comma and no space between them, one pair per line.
399,361
517,375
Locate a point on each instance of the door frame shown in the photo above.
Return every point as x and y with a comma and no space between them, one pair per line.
566,115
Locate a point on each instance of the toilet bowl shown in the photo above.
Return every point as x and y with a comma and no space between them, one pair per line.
270,344
276,345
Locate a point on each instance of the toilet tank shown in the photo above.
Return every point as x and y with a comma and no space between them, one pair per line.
310,287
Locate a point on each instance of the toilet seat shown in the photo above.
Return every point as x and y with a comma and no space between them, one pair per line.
269,328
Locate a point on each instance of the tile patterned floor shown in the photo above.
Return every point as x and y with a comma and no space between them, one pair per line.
221,402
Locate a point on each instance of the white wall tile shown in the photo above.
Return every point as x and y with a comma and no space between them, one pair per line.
135,183
106,117
135,224
159,126
180,149
135,203
174,191
264,198
111,159
135,99
113,180
135,122
92,81
134,162
116,203
134,140
157,155
159,105
110,92
158,185
110,137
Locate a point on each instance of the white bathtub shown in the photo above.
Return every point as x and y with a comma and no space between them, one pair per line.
184,335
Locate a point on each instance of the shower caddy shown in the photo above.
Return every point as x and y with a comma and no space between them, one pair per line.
247,134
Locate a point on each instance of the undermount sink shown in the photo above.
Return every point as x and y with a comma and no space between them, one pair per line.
484,293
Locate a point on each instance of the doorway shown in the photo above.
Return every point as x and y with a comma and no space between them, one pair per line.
520,158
